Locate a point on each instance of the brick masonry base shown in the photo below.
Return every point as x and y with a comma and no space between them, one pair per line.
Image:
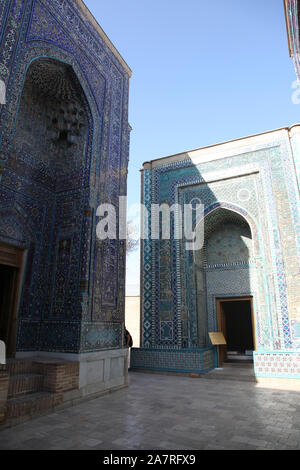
37,385
4,381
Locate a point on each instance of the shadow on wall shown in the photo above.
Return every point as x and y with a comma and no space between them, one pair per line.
187,284
222,271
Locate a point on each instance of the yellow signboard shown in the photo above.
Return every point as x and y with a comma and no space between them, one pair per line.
217,338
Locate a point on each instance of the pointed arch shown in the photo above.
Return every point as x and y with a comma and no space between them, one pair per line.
242,213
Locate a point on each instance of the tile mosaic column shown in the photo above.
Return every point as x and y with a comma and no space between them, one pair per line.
64,149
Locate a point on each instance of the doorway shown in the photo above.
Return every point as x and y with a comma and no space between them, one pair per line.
236,321
11,259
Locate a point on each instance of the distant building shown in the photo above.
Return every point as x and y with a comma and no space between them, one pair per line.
133,312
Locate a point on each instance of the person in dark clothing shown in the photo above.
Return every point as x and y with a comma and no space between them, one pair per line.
128,343
127,339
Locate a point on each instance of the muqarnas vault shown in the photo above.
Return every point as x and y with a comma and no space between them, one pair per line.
64,150
245,280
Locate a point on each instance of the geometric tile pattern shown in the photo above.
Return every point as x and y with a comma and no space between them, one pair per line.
277,364
174,360
147,266
50,186
258,184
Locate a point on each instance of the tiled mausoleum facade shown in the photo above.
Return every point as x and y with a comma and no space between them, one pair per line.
64,148
292,17
250,192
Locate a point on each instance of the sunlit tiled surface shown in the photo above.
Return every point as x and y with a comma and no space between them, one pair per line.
249,192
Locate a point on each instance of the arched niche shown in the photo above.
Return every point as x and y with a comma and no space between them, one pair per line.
53,118
227,238
221,267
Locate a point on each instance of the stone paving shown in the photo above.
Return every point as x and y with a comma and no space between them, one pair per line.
162,412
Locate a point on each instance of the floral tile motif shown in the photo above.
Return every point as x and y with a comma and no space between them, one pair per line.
73,286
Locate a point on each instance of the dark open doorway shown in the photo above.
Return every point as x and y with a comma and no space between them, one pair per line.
11,262
8,283
239,334
235,320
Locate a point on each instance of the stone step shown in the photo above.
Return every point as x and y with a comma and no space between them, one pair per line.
232,372
237,363
29,405
25,383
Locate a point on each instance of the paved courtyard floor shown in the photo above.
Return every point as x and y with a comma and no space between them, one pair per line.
159,412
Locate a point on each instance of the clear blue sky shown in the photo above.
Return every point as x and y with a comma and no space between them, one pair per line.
203,72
